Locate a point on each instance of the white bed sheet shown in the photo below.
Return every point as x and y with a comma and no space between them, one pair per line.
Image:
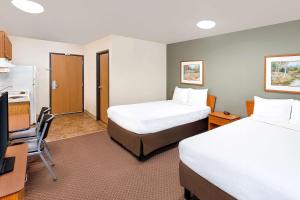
249,159
151,117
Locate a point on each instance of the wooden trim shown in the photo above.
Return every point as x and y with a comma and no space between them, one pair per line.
98,81
249,107
265,73
50,78
2,46
202,73
211,102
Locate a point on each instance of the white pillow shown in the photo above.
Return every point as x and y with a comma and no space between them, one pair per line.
295,116
181,95
198,97
278,110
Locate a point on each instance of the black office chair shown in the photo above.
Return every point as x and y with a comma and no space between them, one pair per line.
39,146
18,137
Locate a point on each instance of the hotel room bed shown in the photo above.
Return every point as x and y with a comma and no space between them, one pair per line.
146,127
247,159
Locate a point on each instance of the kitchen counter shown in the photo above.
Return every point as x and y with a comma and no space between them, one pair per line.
19,110
18,100
17,96
19,116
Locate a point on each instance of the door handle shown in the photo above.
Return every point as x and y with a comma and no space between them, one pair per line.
54,85
100,87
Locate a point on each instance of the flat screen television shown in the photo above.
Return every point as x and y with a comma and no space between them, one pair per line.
6,164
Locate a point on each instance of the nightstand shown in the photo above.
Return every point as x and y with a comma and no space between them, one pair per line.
217,119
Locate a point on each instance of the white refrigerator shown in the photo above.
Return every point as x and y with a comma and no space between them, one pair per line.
22,78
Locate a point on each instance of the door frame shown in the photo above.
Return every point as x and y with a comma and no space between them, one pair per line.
98,104
50,79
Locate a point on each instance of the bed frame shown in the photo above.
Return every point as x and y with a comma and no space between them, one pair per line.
195,184
249,107
141,145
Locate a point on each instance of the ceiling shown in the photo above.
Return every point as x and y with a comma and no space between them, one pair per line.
166,21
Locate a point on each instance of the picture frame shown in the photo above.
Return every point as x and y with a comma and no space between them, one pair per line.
192,72
282,73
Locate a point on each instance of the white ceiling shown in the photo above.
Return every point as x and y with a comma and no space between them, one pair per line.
166,21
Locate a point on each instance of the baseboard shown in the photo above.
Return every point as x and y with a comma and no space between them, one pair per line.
90,114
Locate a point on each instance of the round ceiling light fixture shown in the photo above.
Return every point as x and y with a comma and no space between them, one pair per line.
28,6
206,24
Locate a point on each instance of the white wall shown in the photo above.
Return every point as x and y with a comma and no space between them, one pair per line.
28,51
137,71
137,67
90,51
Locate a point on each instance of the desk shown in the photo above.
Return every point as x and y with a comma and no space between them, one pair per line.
12,184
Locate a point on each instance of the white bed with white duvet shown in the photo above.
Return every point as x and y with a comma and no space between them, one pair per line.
256,158
145,127
188,105
151,117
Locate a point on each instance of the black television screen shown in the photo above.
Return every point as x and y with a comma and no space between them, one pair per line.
3,126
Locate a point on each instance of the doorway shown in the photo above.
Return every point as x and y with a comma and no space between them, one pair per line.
102,85
66,83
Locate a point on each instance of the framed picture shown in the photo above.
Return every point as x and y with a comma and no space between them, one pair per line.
192,72
282,73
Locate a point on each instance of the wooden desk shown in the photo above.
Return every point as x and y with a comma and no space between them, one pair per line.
217,119
12,184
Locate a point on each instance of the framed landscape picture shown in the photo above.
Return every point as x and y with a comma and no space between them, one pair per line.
192,72
282,73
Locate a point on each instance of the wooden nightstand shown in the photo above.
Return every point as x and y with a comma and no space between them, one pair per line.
217,119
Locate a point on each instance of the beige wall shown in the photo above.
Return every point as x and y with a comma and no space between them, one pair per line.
35,52
90,51
137,71
137,67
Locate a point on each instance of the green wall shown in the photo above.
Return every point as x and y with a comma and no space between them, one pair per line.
234,63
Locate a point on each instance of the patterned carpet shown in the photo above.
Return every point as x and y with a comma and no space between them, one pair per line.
94,167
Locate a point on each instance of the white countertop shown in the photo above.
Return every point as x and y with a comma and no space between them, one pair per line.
18,96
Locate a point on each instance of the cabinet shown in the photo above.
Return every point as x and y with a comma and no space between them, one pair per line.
217,119
19,116
5,46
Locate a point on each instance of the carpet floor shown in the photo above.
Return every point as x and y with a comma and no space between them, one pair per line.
94,167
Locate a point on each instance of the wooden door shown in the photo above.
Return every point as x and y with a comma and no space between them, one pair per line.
103,86
66,83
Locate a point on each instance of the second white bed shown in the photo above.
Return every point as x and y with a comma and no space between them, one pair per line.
248,159
151,117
